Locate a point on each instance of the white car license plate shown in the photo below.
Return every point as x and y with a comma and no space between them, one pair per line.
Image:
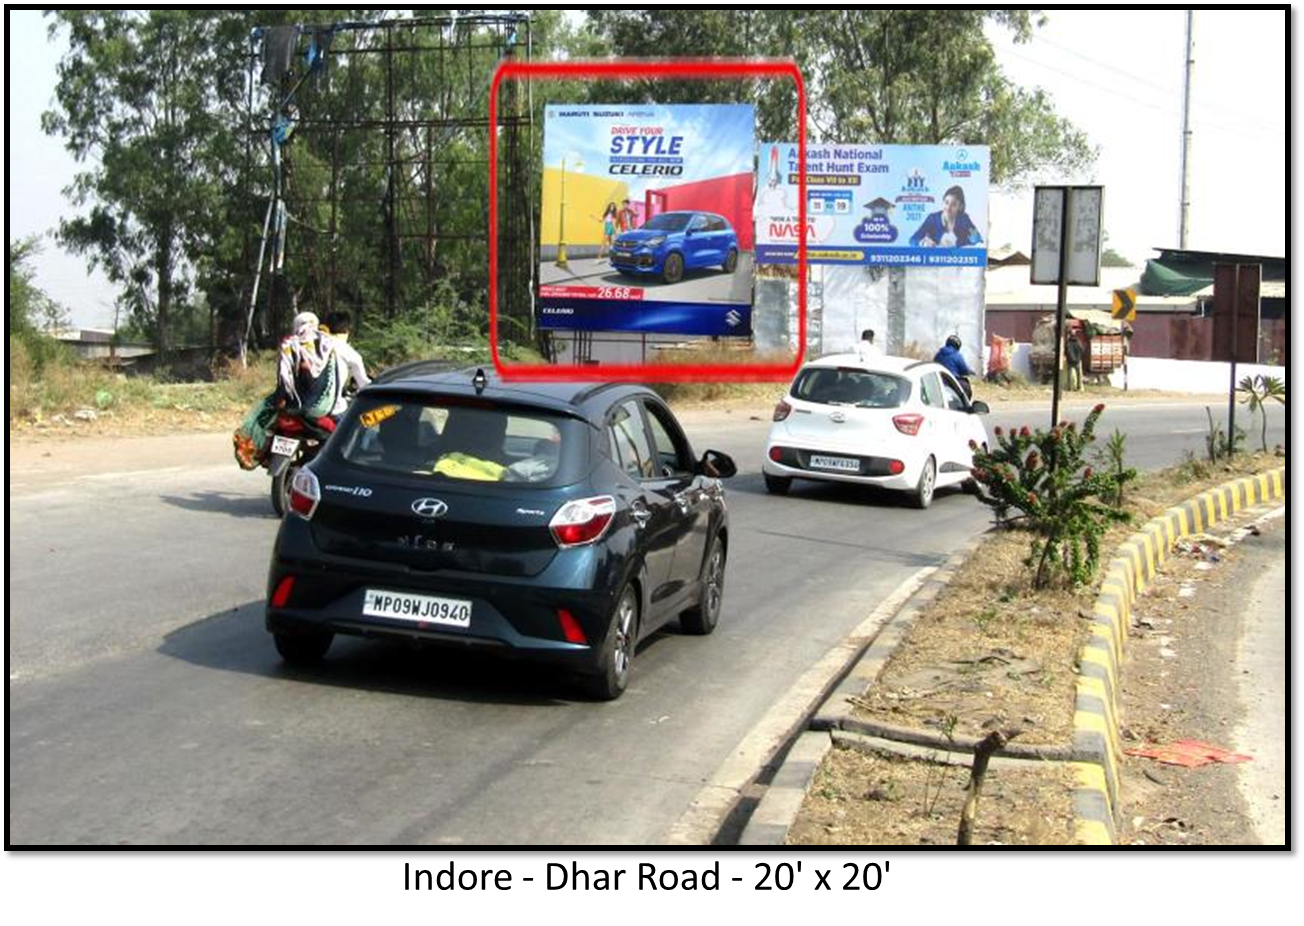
841,464
284,446
616,253
420,609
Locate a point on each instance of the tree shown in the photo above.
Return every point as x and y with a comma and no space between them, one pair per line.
703,33
141,94
30,309
885,76
929,76
1257,392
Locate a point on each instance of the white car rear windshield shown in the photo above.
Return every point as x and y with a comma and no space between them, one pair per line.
847,386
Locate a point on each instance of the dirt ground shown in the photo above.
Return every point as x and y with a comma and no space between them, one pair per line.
990,653
986,654
862,799
1184,629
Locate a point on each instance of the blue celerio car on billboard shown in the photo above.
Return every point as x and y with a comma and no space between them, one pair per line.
672,242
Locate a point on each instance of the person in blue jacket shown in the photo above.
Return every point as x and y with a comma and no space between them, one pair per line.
949,227
950,357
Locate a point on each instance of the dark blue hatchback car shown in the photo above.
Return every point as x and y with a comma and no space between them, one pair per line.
672,242
559,522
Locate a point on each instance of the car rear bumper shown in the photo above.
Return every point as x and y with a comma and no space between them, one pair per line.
794,463
515,617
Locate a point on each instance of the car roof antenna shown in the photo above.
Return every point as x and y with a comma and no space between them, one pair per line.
479,381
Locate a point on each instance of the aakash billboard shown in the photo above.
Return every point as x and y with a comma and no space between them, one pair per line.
646,222
903,205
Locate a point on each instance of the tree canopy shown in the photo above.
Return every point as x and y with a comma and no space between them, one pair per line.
158,106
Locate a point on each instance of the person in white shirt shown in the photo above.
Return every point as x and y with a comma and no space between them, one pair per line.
867,346
349,365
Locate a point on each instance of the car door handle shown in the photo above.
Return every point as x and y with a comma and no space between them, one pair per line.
641,515
685,499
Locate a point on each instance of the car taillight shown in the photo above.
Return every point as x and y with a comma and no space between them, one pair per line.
896,467
782,411
908,424
582,521
305,493
570,627
776,454
282,593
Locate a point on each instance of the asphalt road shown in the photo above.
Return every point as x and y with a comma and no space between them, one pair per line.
146,704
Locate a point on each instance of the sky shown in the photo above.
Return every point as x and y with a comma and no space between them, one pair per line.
1116,73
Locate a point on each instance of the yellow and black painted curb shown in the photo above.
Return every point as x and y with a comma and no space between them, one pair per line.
1096,748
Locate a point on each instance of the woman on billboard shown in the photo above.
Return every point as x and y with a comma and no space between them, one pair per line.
949,227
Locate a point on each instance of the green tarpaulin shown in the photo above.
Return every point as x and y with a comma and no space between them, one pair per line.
1163,280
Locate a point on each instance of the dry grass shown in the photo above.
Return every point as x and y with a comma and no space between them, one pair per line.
992,653
860,799
689,394
48,405
988,653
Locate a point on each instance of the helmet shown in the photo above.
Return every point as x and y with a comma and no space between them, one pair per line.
953,341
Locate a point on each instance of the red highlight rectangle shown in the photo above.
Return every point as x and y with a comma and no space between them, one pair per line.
677,69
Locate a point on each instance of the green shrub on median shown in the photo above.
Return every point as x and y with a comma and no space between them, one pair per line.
1042,475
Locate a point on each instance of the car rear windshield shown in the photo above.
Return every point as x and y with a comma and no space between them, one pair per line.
667,222
846,386
464,440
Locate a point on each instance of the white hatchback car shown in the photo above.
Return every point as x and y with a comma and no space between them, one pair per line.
886,421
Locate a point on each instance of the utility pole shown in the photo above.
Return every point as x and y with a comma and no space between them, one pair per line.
1184,222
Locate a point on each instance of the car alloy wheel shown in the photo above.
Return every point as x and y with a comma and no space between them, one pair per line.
923,496
623,650
731,262
674,269
702,619
612,676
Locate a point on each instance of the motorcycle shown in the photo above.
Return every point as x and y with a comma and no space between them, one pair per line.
296,441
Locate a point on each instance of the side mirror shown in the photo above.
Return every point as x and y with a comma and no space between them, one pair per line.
717,465
978,407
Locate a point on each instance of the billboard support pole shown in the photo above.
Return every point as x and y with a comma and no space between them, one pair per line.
1231,389
1061,302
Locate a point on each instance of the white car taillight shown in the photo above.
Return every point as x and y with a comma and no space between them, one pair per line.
782,411
908,424
582,521
305,493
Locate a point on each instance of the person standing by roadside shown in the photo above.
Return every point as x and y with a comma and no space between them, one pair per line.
1073,361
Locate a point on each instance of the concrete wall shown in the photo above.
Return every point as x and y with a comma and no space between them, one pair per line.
1196,376
937,301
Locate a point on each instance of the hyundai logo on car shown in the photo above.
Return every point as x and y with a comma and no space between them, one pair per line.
430,507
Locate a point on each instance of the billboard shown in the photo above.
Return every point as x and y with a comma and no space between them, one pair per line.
646,221
887,205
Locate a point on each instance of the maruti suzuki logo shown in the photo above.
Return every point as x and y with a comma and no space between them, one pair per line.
732,318
430,507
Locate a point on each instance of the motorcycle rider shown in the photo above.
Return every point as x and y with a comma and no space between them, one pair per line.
352,371
950,357
309,378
